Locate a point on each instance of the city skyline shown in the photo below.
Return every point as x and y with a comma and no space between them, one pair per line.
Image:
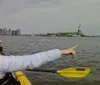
9,32
17,32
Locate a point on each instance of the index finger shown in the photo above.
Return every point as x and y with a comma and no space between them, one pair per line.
75,47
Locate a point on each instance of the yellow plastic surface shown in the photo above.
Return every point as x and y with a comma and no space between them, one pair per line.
22,78
75,72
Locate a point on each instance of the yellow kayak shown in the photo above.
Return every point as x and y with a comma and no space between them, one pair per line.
20,76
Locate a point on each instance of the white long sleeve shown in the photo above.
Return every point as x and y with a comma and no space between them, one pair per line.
14,63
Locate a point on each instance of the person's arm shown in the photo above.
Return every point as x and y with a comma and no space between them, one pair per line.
14,63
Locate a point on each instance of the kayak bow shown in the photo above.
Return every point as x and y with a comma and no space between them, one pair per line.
20,76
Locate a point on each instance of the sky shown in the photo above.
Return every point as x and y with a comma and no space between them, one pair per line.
42,16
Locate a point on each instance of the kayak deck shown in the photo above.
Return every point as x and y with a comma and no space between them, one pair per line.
20,76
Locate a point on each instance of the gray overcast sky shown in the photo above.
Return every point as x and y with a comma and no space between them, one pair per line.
35,16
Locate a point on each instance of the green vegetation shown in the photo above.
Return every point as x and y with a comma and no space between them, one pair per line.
62,34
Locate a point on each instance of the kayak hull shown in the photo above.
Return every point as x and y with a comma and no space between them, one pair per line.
20,76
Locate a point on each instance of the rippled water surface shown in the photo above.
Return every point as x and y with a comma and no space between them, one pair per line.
88,55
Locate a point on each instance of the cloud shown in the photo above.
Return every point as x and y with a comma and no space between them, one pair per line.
50,15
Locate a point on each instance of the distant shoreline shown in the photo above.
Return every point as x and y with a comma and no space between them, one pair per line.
50,36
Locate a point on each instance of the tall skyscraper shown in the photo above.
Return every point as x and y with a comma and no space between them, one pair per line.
13,32
18,32
9,32
4,31
0,31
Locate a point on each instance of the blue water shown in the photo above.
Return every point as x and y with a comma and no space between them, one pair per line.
88,55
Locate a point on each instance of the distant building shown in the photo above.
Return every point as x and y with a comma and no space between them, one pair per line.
9,32
18,32
0,31
14,32
4,31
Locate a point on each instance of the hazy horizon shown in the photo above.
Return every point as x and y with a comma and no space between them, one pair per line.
42,16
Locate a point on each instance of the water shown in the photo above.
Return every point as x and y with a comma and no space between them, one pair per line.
88,55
